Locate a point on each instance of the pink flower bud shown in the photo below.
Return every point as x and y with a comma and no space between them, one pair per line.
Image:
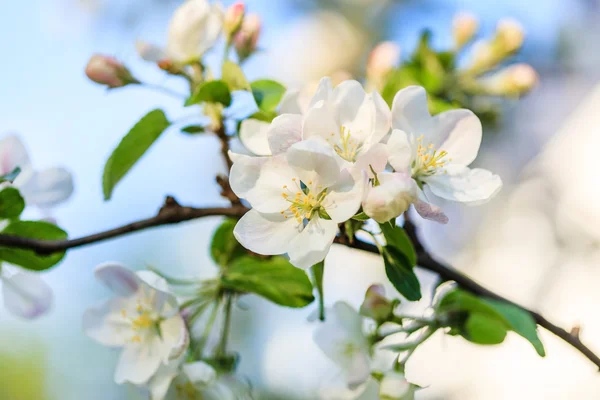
376,305
246,39
383,58
464,28
395,193
509,35
514,80
234,16
108,71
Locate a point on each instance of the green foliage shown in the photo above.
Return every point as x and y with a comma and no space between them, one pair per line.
274,279
211,92
193,129
224,247
29,259
400,272
318,270
486,321
11,176
265,116
12,203
361,217
132,147
396,236
267,94
234,77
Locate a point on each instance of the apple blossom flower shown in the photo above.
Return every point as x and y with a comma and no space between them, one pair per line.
194,28
142,319
25,294
464,28
45,188
109,71
245,40
395,192
436,152
342,340
394,386
297,198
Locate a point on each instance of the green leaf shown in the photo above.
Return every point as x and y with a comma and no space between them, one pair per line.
132,147
461,301
481,328
318,270
397,80
193,129
267,94
211,92
234,77
396,237
265,116
12,203
224,247
28,258
11,176
400,272
521,322
274,279
361,217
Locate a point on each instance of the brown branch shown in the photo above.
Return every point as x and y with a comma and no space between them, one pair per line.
172,213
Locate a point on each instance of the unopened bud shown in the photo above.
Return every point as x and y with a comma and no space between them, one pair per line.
234,16
108,71
515,80
509,35
376,305
246,39
394,386
464,28
395,193
149,52
483,57
383,58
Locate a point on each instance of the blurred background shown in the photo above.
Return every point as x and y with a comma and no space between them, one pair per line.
536,243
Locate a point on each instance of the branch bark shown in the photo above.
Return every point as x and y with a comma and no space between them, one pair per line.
172,213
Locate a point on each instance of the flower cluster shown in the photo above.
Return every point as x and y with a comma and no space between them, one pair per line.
348,149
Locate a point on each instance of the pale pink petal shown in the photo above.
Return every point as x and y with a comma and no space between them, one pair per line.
26,295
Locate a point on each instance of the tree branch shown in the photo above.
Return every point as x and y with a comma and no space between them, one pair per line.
172,212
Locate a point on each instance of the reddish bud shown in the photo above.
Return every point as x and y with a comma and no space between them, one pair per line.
245,40
108,71
234,16
376,305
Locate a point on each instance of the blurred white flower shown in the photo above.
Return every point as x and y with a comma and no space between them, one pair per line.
464,28
298,199
436,152
341,338
394,386
392,197
194,28
25,294
382,60
44,188
142,319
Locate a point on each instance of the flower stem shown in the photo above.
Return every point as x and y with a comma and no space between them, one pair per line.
163,89
317,272
208,328
222,349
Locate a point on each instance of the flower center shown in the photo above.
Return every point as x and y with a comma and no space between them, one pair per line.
346,146
429,160
303,202
142,320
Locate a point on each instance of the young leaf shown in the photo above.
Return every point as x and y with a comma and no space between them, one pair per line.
400,272
461,301
224,247
361,217
484,329
12,203
317,271
267,94
193,129
396,237
28,258
274,279
234,77
132,147
211,92
521,322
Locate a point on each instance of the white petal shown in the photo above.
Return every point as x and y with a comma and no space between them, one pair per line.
383,117
265,233
376,157
12,155
314,161
401,151
343,199
149,52
410,111
139,361
160,382
47,188
396,192
261,181
175,337
26,295
284,131
199,372
106,323
163,302
429,211
459,133
348,98
118,278
323,93
361,124
253,135
154,280
320,120
313,243
394,385
358,369
212,29
290,103
471,186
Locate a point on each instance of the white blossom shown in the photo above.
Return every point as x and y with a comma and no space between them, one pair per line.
392,197
297,198
394,386
25,294
436,152
142,319
194,28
